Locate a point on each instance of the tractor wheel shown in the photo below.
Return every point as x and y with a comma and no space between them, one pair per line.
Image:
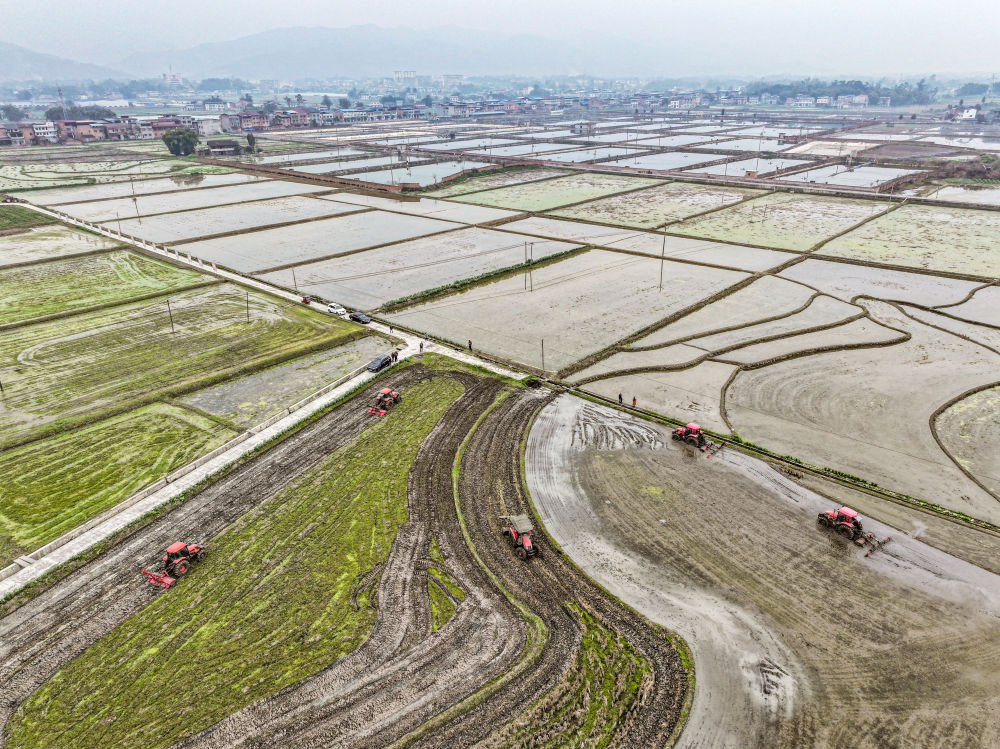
200,556
181,567
846,532
521,553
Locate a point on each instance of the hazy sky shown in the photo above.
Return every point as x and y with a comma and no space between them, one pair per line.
753,38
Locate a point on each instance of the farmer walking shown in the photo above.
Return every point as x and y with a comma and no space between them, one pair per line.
470,344
421,347
619,399
633,401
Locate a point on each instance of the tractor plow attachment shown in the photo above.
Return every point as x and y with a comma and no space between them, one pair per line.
876,544
160,579
378,411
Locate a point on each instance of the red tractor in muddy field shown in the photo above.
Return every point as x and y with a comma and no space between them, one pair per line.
690,434
385,399
846,523
177,560
518,529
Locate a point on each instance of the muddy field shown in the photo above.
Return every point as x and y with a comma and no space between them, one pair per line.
552,193
953,240
489,181
577,306
46,242
787,623
576,666
646,209
58,196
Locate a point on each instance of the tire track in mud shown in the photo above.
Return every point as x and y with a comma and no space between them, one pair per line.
42,635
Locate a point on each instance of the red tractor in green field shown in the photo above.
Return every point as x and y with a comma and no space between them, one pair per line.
177,560
385,399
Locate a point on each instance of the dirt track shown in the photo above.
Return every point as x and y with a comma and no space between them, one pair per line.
403,674
787,623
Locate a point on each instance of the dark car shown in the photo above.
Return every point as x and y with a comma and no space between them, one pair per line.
380,362
360,317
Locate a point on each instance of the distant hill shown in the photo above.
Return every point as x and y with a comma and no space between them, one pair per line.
21,64
358,51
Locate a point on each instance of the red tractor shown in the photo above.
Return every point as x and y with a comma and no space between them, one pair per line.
518,529
177,560
385,399
690,434
844,521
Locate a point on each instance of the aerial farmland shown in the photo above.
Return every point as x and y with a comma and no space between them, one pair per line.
547,306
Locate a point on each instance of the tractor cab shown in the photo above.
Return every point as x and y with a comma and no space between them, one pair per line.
690,434
385,399
844,515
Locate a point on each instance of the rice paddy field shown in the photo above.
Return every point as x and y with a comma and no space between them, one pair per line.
983,195
342,165
70,371
239,217
656,206
578,305
47,242
58,195
368,280
862,176
589,154
427,207
185,200
542,196
667,160
269,249
781,220
252,399
28,176
490,180
954,240
423,175
524,149
760,165
79,283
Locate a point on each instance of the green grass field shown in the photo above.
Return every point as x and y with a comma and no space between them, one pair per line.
269,606
51,486
31,291
71,371
18,217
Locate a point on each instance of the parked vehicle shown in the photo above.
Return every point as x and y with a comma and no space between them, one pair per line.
360,317
380,362
335,309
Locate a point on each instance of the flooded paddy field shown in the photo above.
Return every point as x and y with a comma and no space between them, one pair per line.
956,240
524,149
270,248
760,165
970,431
203,222
655,206
747,144
668,160
589,154
983,306
46,242
489,180
463,144
652,244
58,195
368,280
341,165
148,205
423,175
782,220
553,193
28,176
253,399
984,195
578,305
838,174
279,159
428,207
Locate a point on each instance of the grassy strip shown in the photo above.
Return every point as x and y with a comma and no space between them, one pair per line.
442,607
494,275
586,706
18,217
55,485
269,607
537,633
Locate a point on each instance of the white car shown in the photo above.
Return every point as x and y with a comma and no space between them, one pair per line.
335,309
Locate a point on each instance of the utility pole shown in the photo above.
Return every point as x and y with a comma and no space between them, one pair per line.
171,316
295,283
248,306
135,200
543,355
663,254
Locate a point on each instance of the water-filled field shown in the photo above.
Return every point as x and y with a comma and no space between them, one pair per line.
425,175
541,196
58,195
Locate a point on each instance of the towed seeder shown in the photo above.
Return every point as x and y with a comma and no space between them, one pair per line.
177,560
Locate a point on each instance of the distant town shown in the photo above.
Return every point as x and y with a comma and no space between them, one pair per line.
42,114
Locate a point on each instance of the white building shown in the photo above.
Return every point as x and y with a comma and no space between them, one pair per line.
45,131
207,126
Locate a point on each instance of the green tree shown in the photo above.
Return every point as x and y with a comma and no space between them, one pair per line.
248,99
180,141
388,100
23,95
343,103
299,99
11,112
973,89
269,107
288,101
427,100
252,142
327,102
80,113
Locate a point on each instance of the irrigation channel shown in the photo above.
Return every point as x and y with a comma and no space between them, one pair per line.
514,638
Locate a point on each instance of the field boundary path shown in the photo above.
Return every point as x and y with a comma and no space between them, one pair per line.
32,566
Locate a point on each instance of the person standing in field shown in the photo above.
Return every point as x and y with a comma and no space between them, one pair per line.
470,344
633,401
619,399
421,347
